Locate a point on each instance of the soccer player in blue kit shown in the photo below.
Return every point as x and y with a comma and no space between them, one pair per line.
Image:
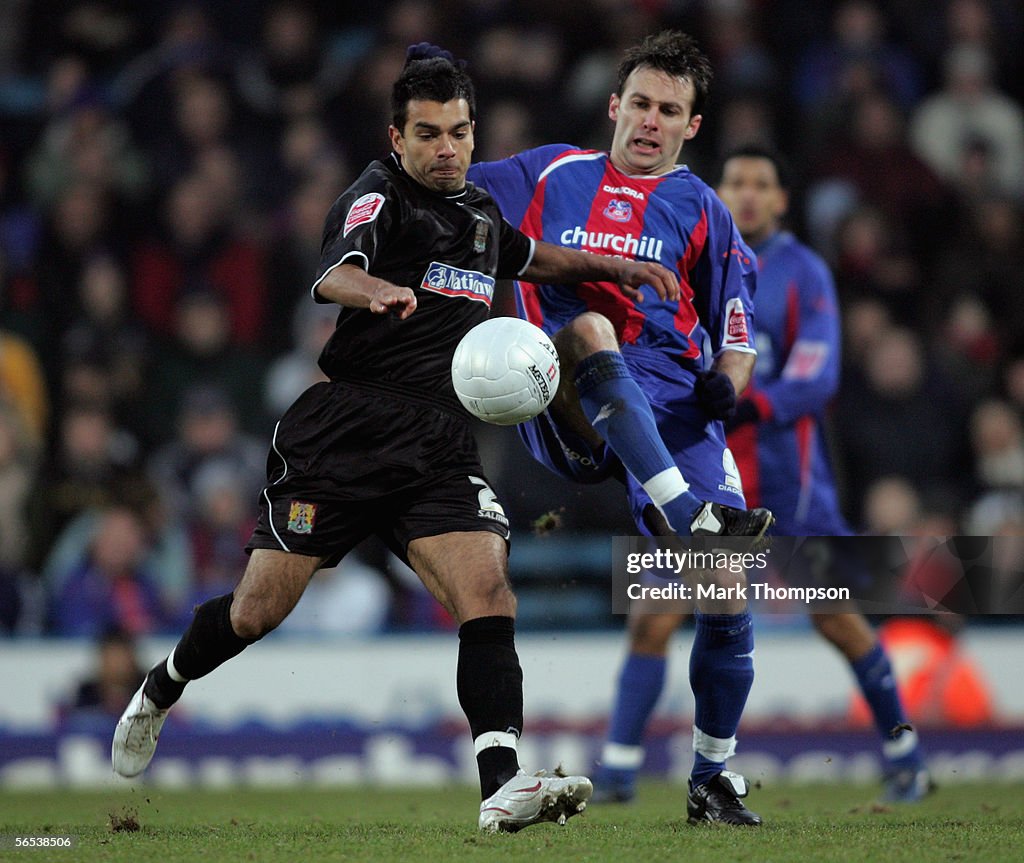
776,437
646,385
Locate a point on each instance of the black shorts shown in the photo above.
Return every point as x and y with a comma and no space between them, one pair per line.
347,462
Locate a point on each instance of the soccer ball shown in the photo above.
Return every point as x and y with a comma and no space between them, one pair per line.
505,371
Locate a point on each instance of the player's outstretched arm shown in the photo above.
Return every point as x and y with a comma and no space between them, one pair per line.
352,286
558,264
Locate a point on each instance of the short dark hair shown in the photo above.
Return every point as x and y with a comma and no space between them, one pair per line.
436,80
756,151
675,53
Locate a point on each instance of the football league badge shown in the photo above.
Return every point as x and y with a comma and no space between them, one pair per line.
301,517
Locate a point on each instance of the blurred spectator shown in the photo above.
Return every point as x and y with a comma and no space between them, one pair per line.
85,142
78,228
873,263
109,586
22,385
856,59
198,252
971,111
106,335
207,432
92,466
113,681
292,374
875,158
740,61
985,257
968,348
19,461
997,441
286,75
997,444
879,421
219,525
891,507
188,44
201,354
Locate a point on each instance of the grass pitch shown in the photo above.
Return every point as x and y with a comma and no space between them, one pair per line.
803,824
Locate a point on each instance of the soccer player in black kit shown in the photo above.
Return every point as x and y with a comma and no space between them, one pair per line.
410,253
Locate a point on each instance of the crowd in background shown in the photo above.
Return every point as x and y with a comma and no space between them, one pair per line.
165,170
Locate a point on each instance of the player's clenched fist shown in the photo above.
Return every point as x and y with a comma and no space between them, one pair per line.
392,298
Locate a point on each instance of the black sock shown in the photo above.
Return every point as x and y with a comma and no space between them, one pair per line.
490,686
209,641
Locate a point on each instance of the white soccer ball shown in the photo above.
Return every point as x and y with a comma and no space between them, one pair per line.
505,371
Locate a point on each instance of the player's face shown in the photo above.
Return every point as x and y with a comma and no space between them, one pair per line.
652,120
436,144
750,189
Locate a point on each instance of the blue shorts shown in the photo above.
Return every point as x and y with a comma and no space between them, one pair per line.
696,444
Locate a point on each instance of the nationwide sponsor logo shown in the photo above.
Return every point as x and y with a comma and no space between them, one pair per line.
736,331
301,517
619,211
626,245
623,190
365,209
455,282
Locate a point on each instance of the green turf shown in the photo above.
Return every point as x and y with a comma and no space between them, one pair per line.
804,824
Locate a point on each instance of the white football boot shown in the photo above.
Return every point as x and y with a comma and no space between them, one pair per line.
136,735
526,800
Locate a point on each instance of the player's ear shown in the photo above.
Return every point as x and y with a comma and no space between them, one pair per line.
692,127
782,207
613,106
397,141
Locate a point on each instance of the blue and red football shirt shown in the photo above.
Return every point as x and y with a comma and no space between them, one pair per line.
784,459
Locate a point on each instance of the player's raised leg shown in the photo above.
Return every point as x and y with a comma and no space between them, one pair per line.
906,776
599,400
221,629
467,572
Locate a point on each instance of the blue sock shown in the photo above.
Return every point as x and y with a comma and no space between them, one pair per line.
621,414
877,683
721,674
640,683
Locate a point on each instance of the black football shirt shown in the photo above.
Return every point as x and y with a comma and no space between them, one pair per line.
449,249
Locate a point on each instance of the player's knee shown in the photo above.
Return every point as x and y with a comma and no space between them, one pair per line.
252,620
650,633
584,335
485,598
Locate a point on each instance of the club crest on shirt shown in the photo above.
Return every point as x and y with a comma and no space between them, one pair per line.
619,211
480,235
301,517
736,330
365,209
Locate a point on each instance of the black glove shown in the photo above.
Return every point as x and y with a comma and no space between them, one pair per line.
715,394
746,412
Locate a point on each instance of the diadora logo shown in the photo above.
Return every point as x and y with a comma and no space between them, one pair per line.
619,211
454,282
623,190
365,209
